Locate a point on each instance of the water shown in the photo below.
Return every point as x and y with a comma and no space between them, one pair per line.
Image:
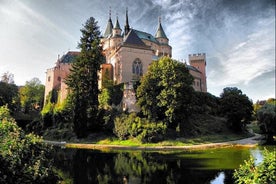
214,166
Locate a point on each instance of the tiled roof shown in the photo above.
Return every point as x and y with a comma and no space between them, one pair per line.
133,39
69,57
145,36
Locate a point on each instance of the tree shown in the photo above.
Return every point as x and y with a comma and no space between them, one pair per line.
237,107
9,95
165,92
24,157
8,78
266,116
264,172
83,79
32,95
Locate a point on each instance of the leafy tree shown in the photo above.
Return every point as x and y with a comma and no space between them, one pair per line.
24,157
8,78
205,103
237,107
83,79
32,95
9,95
165,92
264,173
266,116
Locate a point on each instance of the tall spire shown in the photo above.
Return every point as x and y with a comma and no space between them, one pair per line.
126,25
117,25
109,26
160,31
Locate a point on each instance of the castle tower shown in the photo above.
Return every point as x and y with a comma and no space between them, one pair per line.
109,26
199,62
164,48
117,31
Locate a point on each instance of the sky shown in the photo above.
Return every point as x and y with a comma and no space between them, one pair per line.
238,36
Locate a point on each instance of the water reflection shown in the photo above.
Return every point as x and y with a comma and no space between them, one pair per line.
88,166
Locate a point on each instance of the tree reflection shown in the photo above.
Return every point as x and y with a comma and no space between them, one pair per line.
87,166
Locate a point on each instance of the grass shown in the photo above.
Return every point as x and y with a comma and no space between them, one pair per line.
177,142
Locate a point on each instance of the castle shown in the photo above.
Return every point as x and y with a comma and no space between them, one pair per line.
128,54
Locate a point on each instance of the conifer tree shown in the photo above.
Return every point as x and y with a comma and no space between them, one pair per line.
83,80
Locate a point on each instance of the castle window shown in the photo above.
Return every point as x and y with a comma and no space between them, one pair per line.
137,67
49,79
59,79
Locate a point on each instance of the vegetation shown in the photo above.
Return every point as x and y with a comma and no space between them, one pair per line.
9,92
83,80
170,98
266,116
129,126
32,95
237,107
263,173
24,158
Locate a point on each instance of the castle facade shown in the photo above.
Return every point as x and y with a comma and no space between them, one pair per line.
128,54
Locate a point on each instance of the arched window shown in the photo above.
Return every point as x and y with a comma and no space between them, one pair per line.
137,67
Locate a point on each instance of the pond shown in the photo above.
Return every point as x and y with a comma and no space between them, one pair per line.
214,166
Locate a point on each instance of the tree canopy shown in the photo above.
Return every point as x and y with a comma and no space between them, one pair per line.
266,116
83,79
165,92
32,95
237,107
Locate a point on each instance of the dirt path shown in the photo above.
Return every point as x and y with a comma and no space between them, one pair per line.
251,140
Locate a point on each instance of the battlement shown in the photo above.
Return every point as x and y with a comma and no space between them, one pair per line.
199,56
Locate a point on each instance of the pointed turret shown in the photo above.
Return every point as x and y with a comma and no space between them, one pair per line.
109,26
160,32
117,25
117,29
127,28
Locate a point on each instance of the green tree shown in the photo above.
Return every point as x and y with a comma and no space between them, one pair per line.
165,92
8,78
24,157
263,173
83,80
266,116
32,95
9,92
237,107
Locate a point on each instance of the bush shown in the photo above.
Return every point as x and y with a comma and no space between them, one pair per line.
127,126
24,158
264,173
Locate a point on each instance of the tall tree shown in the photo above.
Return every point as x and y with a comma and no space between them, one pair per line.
9,96
165,92
32,95
83,79
266,116
8,78
237,107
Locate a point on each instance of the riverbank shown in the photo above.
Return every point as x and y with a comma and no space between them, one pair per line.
246,142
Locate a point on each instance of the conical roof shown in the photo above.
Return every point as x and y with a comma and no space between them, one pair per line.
117,25
160,31
109,27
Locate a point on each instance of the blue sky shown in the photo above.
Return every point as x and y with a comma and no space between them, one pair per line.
238,36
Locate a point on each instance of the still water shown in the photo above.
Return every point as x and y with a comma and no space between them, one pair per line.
214,166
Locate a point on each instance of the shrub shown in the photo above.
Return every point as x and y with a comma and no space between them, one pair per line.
127,126
264,173
24,158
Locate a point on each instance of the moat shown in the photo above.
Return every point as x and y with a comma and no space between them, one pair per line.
134,167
